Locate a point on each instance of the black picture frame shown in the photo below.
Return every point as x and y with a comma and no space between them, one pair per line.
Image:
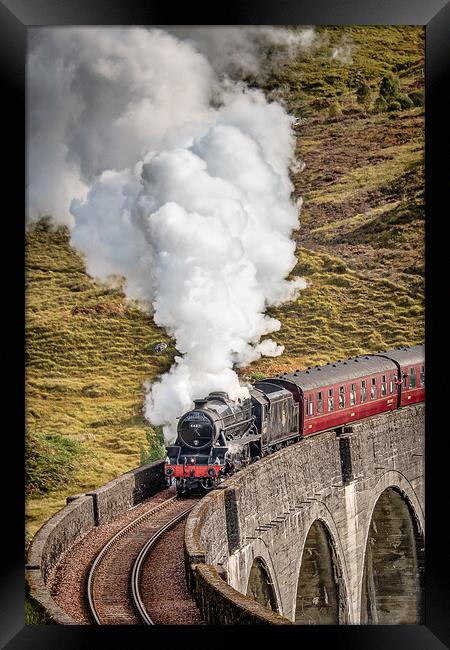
15,17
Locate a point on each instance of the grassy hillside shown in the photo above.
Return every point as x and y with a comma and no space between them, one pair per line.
87,356
360,246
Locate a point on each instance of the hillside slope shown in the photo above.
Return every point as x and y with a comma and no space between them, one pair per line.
360,246
88,354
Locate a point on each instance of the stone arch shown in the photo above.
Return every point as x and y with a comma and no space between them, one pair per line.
260,586
321,597
392,587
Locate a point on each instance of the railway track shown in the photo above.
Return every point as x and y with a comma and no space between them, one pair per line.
136,573
113,585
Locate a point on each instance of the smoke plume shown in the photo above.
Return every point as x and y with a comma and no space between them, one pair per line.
170,172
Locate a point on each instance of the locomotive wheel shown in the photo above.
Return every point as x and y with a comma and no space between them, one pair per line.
181,487
208,484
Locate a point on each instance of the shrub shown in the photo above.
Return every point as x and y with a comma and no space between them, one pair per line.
381,105
334,109
417,97
402,66
391,94
155,446
404,101
390,87
363,95
394,106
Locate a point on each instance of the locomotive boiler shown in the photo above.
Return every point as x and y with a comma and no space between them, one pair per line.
205,450
220,436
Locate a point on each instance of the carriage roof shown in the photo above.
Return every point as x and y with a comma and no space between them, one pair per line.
345,370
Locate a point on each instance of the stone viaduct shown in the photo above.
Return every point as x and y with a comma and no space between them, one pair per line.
327,531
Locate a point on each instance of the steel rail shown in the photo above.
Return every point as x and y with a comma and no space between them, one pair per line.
117,537
139,562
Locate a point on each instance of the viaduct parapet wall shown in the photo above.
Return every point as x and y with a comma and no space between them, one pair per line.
82,513
332,523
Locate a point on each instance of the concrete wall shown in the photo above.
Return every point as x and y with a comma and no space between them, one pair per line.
267,510
81,514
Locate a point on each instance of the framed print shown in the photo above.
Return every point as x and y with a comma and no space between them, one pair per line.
232,246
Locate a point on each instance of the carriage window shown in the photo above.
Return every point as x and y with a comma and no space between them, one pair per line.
422,375
383,386
306,406
405,377
373,388
412,377
330,400
352,394
319,402
341,397
363,391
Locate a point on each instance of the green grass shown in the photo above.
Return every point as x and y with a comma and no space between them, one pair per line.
368,177
50,462
345,227
34,614
360,246
341,314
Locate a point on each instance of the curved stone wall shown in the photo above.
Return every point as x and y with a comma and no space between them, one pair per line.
82,513
268,509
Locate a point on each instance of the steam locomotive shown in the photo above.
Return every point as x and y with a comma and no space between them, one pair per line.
220,436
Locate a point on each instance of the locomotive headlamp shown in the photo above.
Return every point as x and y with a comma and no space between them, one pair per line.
193,460
169,471
211,471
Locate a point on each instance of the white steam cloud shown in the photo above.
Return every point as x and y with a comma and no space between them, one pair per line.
173,175
250,51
